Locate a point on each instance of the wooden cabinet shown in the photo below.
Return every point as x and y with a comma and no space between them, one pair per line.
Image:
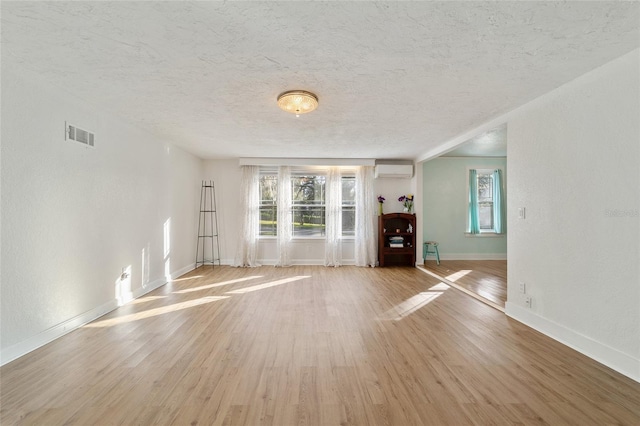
397,239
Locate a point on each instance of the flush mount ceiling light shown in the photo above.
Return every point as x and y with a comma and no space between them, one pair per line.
297,102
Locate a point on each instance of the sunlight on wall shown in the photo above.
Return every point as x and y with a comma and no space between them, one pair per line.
167,249
145,266
167,237
123,287
167,269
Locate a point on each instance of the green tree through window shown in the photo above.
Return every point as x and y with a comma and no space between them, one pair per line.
268,205
308,209
308,205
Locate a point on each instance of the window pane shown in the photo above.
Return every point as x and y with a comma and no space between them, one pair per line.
268,220
485,201
348,220
485,215
308,205
268,188
308,190
308,221
485,188
348,190
268,209
348,205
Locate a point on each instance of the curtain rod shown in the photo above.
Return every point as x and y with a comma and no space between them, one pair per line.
307,161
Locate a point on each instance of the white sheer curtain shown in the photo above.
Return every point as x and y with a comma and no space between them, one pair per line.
247,252
284,216
365,247
333,218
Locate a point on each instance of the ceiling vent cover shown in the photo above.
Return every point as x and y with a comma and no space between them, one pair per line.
77,134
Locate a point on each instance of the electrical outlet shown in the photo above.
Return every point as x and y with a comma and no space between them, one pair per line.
523,288
528,301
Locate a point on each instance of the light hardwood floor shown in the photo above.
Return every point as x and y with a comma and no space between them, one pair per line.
485,278
311,346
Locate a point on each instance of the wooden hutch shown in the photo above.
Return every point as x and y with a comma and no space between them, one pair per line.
397,239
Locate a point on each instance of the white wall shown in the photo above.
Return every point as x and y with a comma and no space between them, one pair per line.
574,161
184,172
73,217
226,175
392,188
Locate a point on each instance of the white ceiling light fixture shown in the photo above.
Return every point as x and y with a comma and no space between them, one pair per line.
297,101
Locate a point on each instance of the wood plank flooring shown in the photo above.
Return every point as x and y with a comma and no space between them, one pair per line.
311,346
485,278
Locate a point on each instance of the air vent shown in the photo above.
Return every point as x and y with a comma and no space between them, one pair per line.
77,134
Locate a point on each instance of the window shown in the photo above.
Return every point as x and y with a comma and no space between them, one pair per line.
308,205
348,206
268,205
486,201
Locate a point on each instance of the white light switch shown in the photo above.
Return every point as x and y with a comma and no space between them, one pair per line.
521,213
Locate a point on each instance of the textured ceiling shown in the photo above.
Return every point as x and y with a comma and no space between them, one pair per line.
492,143
394,79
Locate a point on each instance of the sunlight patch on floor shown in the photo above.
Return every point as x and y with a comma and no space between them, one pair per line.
457,275
463,289
268,285
155,312
414,303
145,299
220,284
440,287
186,278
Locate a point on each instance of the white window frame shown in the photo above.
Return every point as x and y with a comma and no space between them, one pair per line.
353,236
483,233
267,172
307,171
295,174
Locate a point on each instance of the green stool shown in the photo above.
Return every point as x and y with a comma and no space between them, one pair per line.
426,251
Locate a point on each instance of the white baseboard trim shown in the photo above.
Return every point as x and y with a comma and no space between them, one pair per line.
301,262
226,262
273,262
468,256
180,272
612,358
304,262
147,288
34,342
223,262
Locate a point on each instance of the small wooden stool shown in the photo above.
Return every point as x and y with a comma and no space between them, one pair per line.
426,250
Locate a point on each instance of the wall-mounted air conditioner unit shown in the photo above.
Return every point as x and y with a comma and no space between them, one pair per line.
403,171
